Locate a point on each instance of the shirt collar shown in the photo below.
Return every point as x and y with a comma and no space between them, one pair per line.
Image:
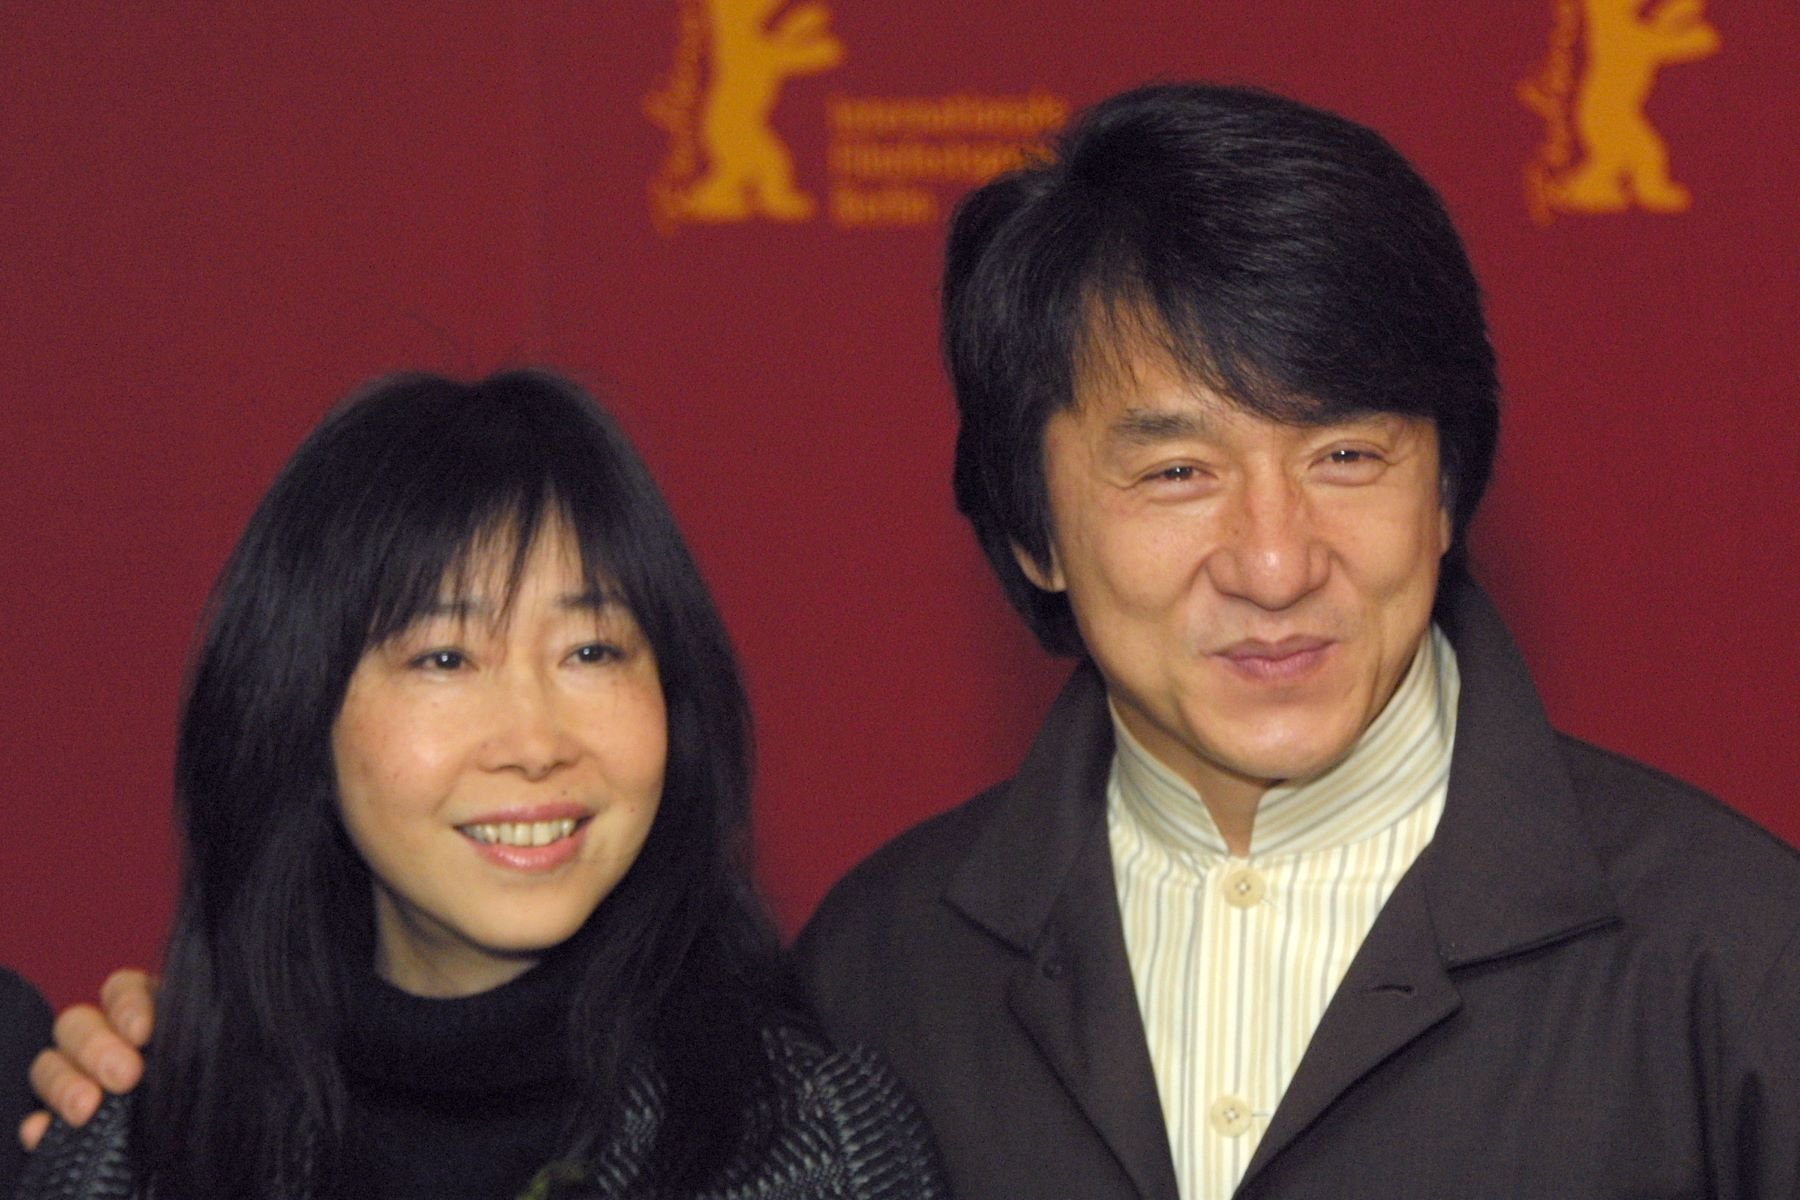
1401,760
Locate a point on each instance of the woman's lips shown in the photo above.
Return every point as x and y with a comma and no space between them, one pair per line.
1287,661
528,840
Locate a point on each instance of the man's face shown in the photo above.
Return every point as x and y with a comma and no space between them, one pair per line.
1251,591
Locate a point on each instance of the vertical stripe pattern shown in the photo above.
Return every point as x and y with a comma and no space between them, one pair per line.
1235,959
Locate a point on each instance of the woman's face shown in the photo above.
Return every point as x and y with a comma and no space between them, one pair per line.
499,772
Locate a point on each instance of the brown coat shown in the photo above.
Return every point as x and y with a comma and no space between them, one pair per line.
1587,986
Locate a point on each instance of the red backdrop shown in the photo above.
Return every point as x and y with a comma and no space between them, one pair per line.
216,221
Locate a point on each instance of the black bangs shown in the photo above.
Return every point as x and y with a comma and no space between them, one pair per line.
422,482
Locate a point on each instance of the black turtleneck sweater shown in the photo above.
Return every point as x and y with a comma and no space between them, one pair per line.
459,1098
470,1099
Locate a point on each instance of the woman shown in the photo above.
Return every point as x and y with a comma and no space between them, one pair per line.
463,779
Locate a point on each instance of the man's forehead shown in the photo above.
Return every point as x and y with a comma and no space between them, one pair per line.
1122,342
1131,367
1132,385
1155,403
1128,372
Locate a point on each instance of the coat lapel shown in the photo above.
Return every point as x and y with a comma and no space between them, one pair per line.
1395,990
1040,879
1510,869
1077,1002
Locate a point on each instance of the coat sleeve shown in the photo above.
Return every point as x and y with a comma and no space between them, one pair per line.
89,1163
1758,1140
24,1030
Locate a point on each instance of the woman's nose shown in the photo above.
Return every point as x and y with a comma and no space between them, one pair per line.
529,732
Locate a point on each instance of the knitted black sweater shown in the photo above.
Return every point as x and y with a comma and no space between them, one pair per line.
469,1098
464,1099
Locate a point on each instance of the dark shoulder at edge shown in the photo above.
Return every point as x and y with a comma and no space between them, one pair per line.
1654,832
910,869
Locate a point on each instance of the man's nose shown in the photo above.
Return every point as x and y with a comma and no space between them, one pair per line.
529,730
1269,552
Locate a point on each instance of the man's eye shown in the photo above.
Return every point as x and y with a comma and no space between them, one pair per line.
1183,473
1353,464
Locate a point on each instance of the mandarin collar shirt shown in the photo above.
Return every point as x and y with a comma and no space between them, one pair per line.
1234,959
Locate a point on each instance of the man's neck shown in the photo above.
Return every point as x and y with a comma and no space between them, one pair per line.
1231,801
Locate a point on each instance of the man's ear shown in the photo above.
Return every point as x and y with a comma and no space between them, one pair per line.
1446,508
1047,577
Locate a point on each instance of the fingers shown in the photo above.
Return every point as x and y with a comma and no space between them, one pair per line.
62,1086
89,1054
31,1129
128,996
94,1049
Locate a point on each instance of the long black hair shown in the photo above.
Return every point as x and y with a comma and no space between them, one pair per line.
389,496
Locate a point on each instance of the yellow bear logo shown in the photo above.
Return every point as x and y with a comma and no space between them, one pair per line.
1623,159
748,171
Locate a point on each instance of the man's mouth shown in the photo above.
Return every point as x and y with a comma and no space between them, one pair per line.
1285,661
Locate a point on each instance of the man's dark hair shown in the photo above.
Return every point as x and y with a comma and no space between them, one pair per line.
1285,257
395,496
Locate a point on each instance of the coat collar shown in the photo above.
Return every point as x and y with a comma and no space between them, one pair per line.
1510,866
1039,878
1021,864
1510,869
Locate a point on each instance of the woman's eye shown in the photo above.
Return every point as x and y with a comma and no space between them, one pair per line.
440,660
597,652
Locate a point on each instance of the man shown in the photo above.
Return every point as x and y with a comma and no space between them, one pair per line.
24,1027
1297,893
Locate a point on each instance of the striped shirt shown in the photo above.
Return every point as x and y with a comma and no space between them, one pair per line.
1235,959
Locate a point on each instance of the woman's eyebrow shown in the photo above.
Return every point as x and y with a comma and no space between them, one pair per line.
459,608
465,608
589,600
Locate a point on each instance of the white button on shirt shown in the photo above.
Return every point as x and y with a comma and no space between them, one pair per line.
1234,959
1243,887
1230,1115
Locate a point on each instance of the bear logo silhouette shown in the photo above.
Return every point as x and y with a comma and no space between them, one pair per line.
748,170
1623,161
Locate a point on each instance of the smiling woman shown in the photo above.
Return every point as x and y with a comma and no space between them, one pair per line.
499,764
463,781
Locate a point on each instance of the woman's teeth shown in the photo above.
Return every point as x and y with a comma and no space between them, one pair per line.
522,833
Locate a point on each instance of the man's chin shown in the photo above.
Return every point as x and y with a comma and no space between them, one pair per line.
1289,763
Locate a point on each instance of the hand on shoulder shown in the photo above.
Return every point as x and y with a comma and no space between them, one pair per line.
98,1050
